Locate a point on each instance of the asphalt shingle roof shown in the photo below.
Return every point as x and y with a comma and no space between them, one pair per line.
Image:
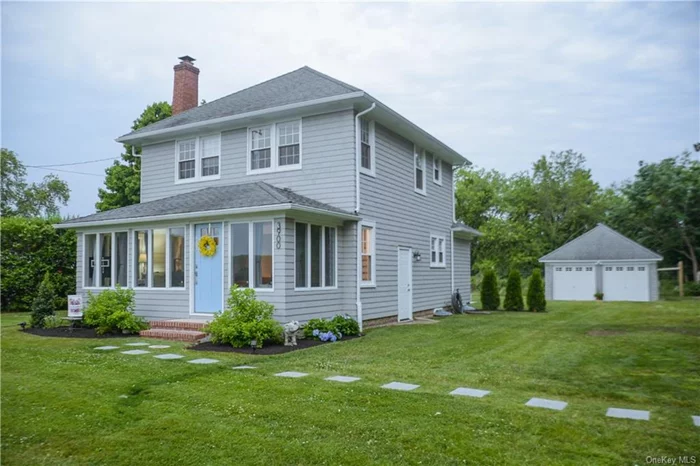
601,243
459,226
256,194
297,86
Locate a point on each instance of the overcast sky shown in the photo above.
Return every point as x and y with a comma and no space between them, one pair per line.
500,83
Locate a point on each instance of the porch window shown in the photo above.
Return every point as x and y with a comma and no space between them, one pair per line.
437,251
177,257
105,260
121,262
239,254
367,147
159,258
141,248
368,251
419,170
105,278
90,247
262,233
315,256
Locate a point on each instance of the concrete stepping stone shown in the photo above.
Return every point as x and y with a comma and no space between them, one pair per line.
628,414
135,351
470,392
291,374
342,378
106,348
168,356
159,346
244,367
696,420
404,387
544,403
136,344
203,361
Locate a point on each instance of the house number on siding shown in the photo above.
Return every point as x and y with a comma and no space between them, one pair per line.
278,239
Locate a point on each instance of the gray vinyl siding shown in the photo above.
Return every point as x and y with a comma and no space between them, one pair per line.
405,218
463,268
327,159
548,281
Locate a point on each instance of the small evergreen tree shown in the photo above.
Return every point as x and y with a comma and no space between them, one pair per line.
535,293
490,299
43,303
514,292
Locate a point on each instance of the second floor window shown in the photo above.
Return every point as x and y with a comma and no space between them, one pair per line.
437,170
198,158
275,147
367,146
187,159
419,171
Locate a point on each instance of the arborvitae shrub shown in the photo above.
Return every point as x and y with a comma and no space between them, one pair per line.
514,292
535,293
490,300
42,306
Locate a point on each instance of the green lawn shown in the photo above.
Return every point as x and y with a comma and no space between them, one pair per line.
63,402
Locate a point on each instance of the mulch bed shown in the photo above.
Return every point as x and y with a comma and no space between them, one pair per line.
78,332
268,347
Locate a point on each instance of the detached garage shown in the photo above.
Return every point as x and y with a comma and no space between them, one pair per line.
601,261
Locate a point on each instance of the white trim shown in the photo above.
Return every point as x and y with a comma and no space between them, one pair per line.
373,282
410,279
251,253
418,152
452,261
97,254
440,170
307,258
197,160
372,151
437,264
357,186
189,249
206,214
274,148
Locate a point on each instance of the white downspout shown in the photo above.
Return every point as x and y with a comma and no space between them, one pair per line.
452,236
358,278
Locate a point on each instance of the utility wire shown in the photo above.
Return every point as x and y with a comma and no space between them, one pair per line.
73,163
64,171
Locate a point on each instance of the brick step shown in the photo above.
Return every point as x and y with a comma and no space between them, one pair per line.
173,334
177,324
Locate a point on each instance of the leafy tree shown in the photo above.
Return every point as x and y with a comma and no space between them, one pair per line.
123,180
661,209
514,292
490,298
535,293
21,199
43,305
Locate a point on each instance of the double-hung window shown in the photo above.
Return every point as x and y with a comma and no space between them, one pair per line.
159,258
251,255
419,170
199,158
315,256
367,147
437,251
105,259
437,169
275,147
367,248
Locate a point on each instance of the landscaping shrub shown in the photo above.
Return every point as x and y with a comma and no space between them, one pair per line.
333,329
28,249
53,321
514,292
112,311
535,293
43,305
490,299
691,289
244,319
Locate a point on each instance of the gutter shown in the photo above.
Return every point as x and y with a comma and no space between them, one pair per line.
358,278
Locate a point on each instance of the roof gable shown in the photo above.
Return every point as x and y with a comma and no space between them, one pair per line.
302,85
601,243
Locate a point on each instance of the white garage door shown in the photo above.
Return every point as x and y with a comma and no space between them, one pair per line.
623,282
573,283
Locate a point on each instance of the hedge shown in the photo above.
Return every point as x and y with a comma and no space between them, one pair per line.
30,248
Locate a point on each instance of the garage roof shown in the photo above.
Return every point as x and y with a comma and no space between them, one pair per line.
601,243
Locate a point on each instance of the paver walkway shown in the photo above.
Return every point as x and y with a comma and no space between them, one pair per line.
203,361
106,348
168,356
292,374
135,351
628,414
404,387
244,367
342,378
470,392
696,420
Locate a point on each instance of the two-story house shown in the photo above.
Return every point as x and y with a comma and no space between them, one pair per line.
317,195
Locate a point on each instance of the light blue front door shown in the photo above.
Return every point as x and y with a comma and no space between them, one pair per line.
208,272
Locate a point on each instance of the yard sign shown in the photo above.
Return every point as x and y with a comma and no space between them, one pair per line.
75,305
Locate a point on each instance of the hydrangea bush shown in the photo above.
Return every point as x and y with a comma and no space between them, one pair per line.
331,329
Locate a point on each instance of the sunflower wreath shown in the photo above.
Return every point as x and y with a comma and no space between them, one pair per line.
207,246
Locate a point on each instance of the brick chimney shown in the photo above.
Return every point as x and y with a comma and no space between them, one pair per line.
186,86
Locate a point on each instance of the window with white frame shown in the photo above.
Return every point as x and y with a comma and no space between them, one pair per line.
275,147
315,256
199,158
419,171
367,248
159,258
367,146
437,169
251,255
437,251
105,259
